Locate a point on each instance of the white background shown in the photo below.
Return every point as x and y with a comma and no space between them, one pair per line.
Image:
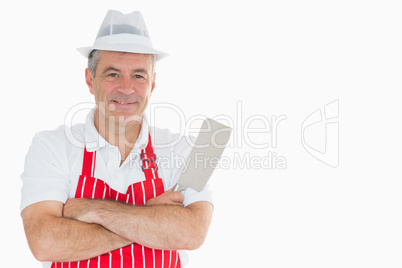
275,57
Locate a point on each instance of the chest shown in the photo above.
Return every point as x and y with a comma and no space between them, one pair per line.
100,174
108,171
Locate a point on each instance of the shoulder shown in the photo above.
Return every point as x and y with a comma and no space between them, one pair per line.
59,140
73,135
49,139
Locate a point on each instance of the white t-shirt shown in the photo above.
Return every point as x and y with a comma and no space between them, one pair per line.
53,163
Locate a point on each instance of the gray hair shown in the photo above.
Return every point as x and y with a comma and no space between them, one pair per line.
93,60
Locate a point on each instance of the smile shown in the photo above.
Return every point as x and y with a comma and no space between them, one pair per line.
122,102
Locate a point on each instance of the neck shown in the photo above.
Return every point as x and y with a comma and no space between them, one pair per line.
120,134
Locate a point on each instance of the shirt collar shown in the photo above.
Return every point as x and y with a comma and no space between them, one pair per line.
94,141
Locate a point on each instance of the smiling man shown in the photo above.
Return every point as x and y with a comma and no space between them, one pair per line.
107,204
122,84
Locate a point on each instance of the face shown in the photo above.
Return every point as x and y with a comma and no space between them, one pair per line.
122,85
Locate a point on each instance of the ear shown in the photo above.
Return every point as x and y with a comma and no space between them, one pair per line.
153,83
89,80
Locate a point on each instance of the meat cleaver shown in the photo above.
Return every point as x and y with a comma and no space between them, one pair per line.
204,156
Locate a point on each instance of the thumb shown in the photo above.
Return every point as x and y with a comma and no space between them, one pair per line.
170,190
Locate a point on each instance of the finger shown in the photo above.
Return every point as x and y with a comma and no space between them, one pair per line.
176,197
170,190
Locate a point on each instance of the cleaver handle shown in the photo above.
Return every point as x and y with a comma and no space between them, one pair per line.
178,188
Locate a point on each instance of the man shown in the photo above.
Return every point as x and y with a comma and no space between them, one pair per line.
106,203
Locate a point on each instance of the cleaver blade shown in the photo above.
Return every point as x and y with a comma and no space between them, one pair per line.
204,156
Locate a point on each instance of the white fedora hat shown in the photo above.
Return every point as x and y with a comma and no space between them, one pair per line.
125,33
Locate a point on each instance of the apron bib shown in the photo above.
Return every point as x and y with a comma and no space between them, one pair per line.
134,255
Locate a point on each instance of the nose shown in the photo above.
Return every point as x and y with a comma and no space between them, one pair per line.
126,86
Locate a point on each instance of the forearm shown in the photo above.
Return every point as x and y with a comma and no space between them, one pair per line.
54,238
159,227
72,240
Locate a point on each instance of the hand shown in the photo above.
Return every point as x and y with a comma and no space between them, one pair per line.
78,209
168,198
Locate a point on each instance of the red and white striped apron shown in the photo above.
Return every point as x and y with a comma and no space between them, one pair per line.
138,193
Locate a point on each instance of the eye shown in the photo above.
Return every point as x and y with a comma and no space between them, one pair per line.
138,76
112,75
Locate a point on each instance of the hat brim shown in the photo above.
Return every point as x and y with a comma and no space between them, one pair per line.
85,51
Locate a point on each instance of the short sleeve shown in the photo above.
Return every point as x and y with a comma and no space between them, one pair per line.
45,175
192,196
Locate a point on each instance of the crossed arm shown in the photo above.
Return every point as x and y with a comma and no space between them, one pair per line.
85,228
